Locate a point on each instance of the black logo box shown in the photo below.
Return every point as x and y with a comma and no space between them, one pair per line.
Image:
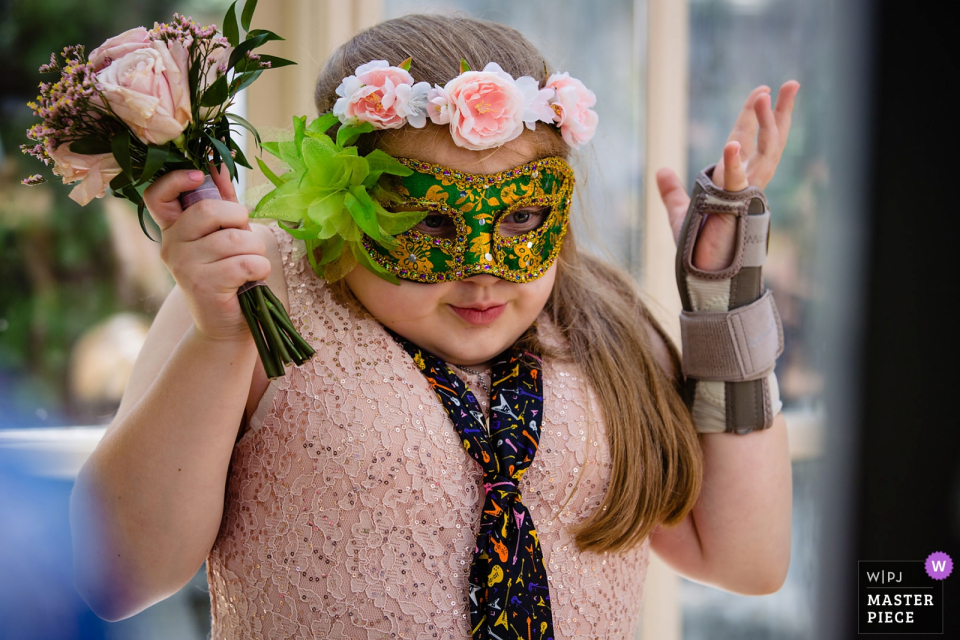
879,579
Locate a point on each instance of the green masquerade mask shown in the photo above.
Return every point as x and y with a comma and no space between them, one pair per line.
510,224
403,218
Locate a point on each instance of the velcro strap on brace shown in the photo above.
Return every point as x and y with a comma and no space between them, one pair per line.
732,346
730,327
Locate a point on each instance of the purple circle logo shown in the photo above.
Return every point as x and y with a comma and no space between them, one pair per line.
938,565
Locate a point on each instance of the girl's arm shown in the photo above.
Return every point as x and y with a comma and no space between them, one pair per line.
147,505
737,537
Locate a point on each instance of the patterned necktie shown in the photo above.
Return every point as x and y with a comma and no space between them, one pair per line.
509,597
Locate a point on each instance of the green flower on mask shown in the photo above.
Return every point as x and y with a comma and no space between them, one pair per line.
333,197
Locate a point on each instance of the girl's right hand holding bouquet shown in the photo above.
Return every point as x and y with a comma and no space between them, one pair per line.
210,250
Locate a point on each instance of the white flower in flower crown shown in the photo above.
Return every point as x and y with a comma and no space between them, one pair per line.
412,102
438,105
536,102
371,95
577,121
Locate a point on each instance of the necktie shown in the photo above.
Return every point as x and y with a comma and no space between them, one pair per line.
509,596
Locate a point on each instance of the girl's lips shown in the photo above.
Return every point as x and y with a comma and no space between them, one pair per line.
478,316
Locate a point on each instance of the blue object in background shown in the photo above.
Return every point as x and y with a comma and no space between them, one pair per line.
37,598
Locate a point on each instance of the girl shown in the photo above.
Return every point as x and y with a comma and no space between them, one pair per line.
471,453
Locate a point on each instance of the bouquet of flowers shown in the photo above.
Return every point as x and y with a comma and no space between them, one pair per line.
147,102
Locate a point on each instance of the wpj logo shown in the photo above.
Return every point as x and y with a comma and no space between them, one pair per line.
902,596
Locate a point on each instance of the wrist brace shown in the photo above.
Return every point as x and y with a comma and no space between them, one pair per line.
730,328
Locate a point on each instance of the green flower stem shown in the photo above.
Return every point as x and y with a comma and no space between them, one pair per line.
283,326
266,357
266,319
303,347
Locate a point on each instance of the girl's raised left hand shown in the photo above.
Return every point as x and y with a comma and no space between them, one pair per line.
750,158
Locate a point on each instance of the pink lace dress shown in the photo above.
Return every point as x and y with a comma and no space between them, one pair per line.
351,506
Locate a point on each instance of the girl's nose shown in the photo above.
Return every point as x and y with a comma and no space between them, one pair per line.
482,280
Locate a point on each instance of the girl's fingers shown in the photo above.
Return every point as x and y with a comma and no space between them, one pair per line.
718,170
208,216
784,109
745,128
226,243
768,139
734,171
162,197
674,197
221,178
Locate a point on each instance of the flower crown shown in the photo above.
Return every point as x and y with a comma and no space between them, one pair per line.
484,109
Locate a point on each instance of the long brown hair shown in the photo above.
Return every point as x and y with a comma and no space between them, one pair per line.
657,465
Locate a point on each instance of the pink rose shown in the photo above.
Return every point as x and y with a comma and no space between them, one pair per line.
119,46
371,95
147,89
93,171
577,121
486,108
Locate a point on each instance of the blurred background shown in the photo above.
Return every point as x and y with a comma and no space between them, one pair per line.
79,287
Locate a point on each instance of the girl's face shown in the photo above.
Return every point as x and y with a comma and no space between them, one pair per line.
465,322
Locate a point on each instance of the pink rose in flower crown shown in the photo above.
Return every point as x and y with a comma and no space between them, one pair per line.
119,46
147,89
577,121
485,108
371,95
94,172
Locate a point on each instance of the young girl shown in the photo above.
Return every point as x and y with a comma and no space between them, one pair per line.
489,450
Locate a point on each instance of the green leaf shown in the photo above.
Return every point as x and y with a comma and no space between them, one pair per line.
394,223
272,147
322,124
216,94
464,67
388,242
316,155
120,145
281,206
230,28
276,62
119,182
349,229
300,234
360,253
248,8
360,206
90,145
270,35
246,125
239,158
262,208
290,154
385,163
240,52
347,134
224,155
405,65
153,163
141,207
332,249
328,213
271,176
299,131
244,80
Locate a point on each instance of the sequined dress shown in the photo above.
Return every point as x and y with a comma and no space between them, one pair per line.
351,506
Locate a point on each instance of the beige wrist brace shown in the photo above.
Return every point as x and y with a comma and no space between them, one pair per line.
730,328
